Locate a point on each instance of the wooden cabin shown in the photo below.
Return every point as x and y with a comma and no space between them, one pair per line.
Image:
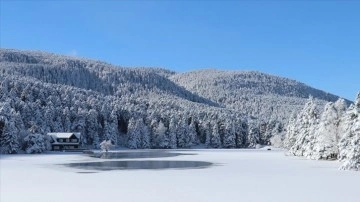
65,141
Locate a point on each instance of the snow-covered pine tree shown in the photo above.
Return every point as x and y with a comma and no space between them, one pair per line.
181,133
327,133
291,132
172,133
9,138
145,134
241,129
254,135
35,141
66,119
133,134
193,138
113,128
207,131
48,121
229,137
349,145
153,126
161,140
264,131
215,136
307,122
8,131
91,135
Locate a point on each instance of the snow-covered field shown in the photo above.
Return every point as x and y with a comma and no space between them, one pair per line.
237,175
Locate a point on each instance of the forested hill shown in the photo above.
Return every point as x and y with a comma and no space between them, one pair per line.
91,75
245,83
253,93
138,107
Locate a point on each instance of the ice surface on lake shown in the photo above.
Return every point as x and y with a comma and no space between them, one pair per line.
237,175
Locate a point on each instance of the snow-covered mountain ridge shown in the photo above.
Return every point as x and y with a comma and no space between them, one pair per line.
140,107
242,90
253,81
89,74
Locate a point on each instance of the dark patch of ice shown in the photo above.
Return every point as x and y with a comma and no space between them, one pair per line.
134,165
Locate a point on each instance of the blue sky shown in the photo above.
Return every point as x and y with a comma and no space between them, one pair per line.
315,42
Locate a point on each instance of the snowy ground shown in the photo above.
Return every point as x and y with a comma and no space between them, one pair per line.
238,175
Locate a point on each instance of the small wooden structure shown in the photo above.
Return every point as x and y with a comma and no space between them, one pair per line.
65,141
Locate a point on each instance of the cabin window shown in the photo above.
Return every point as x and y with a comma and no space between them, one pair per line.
73,140
60,140
56,147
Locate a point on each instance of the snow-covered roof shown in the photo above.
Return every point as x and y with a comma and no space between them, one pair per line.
65,143
64,135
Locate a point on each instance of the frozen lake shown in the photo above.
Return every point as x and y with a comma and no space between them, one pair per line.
182,175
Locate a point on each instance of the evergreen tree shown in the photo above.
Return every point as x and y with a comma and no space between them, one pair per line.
9,137
350,142
326,145
181,134
35,141
192,134
113,128
277,139
229,138
8,131
133,134
291,132
145,134
91,135
254,135
207,130
215,136
66,120
241,133
161,141
172,134
307,121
